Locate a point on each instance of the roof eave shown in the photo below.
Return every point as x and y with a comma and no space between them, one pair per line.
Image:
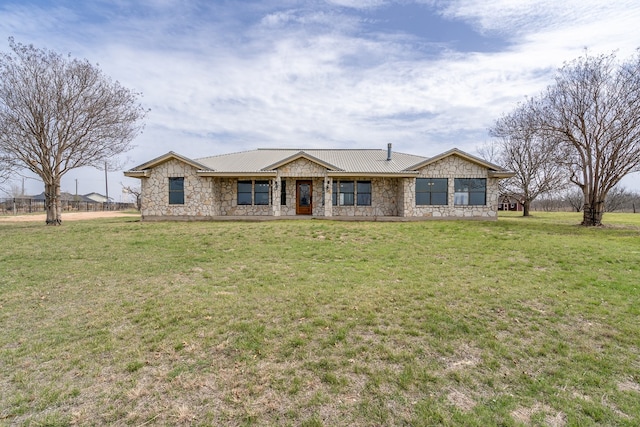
137,174
501,174
403,174
236,174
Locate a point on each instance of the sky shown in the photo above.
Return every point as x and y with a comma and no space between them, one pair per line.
222,76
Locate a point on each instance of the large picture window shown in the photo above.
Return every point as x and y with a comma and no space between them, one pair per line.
176,191
431,191
470,191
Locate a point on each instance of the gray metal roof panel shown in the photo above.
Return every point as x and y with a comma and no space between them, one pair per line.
348,160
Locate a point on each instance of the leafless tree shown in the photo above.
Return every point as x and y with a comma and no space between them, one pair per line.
58,114
136,192
522,148
619,199
593,108
575,199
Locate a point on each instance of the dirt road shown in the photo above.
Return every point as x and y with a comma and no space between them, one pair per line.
67,216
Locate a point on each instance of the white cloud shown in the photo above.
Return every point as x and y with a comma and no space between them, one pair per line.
221,78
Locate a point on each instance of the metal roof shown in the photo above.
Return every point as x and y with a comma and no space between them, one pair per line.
344,160
338,162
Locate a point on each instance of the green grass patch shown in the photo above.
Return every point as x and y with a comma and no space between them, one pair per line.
523,321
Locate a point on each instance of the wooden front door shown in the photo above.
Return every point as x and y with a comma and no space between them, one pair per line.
304,194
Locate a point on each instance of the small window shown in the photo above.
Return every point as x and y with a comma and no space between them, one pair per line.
283,193
346,193
176,191
431,191
364,193
261,192
244,192
470,191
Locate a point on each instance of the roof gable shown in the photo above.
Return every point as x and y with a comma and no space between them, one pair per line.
301,155
141,169
456,152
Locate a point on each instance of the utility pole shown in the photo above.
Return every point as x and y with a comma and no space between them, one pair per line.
106,183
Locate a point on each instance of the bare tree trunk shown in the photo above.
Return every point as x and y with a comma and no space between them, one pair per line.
526,207
592,215
52,203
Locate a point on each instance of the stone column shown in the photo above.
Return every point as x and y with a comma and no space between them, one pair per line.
275,196
328,200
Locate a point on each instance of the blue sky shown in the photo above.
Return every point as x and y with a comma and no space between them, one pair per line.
224,76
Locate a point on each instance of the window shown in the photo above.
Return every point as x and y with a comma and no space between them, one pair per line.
253,193
431,191
346,193
244,192
176,191
283,193
470,191
364,193
261,190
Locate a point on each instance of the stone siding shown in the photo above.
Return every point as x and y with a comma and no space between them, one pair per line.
384,196
199,195
229,198
452,167
302,169
213,196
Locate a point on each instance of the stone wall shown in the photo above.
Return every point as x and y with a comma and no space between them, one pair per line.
303,169
209,196
228,200
452,167
384,197
199,195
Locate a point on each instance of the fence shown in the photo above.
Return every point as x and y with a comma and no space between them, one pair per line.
19,205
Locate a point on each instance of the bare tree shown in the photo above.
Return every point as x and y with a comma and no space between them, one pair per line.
521,147
575,199
58,114
593,108
136,192
619,199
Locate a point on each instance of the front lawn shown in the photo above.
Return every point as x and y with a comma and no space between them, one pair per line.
523,321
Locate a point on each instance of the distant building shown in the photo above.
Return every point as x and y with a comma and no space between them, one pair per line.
510,203
96,197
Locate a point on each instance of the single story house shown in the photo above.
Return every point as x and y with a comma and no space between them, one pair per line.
98,198
319,183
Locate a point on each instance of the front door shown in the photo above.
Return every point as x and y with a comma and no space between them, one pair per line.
303,198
